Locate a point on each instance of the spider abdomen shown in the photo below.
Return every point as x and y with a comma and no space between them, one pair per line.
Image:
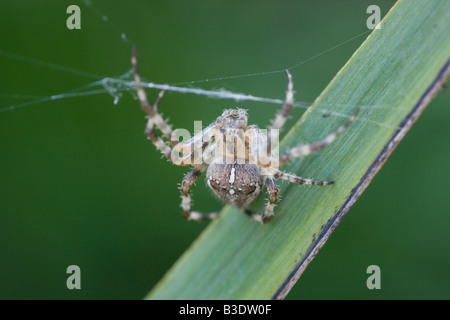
236,184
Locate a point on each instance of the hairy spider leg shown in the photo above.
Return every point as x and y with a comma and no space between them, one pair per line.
297,179
186,201
304,150
281,116
154,118
272,188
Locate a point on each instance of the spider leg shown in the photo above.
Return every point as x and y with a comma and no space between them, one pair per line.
272,188
188,180
282,115
304,150
297,179
154,118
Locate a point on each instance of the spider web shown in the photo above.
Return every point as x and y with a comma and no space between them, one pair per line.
117,86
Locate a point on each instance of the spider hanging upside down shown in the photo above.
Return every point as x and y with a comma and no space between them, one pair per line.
230,152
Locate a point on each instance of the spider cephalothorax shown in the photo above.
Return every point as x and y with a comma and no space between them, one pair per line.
238,158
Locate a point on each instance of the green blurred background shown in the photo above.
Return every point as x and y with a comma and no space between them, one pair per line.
79,183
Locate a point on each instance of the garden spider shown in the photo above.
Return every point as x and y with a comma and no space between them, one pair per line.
235,177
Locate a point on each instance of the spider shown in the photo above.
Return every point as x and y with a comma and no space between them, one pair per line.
235,177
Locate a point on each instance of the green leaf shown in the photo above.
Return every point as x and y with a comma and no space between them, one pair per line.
391,78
